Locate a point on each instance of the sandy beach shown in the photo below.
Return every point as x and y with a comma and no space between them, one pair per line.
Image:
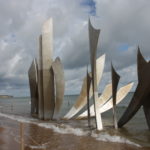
40,138
63,134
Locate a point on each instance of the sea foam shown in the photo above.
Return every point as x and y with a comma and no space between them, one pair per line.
113,138
66,129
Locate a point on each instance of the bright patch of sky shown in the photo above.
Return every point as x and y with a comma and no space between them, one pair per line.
91,4
123,47
10,38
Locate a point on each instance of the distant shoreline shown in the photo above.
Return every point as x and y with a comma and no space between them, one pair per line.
79,94
6,96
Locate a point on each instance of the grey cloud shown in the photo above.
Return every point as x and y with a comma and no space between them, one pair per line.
13,15
121,22
124,22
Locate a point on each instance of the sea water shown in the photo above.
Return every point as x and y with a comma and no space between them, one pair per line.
134,132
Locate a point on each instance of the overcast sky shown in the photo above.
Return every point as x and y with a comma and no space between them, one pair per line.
124,25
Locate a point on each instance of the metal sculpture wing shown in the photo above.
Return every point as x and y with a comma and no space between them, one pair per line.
141,95
93,41
82,99
105,96
121,93
89,79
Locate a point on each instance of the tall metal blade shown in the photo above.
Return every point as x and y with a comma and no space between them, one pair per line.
141,94
40,81
105,96
59,85
33,81
89,79
93,41
82,99
141,62
47,75
115,81
146,108
105,103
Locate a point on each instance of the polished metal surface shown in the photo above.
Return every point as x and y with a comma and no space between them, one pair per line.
33,82
93,41
105,96
115,80
108,103
47,75
82,99
59,82
40,82
121,94
89,79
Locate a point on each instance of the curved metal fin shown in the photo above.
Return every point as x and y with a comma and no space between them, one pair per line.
115,81
121,93
33,81
141,63
140,95
106,94
89,79
82,99
146,108
93,41
58,71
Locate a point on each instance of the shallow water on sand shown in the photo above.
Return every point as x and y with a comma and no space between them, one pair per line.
73,134
36,137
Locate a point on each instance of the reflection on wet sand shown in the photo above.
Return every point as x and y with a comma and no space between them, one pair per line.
8,140
36,137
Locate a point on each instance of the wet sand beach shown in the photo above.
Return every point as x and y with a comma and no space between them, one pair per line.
68,135
40,138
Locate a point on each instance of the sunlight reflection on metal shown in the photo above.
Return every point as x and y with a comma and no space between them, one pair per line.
82,99
121,93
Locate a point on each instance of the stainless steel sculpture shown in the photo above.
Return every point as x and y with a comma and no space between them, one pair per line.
33,81
121,94
105,96
146,108
103,107
50,77
59,85
142,93
93,41
89,79
46,81
82,99
47,76
115,80
40,82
